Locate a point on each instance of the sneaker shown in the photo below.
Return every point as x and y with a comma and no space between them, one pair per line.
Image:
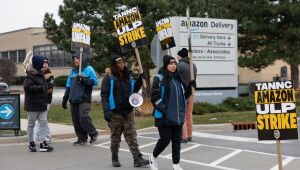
189,139
139,161
79,142
153,163
32,147
44,147
177,167
184,141
94,138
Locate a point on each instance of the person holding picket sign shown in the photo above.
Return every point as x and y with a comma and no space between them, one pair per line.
79,89
183,69
168,98
116,88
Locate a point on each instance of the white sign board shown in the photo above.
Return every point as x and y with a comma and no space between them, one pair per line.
214,51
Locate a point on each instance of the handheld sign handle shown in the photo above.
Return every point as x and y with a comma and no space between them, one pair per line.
169,50
80,58
139,62
190,48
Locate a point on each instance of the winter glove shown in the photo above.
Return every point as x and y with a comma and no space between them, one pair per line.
143,76
64,104
193,83
81,79
107,116
84,80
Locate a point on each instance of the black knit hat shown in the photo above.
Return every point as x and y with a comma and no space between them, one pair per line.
114,58
183,52
167,59
37,62
46,60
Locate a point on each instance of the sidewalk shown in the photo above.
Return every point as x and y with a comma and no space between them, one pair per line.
58,131
61,131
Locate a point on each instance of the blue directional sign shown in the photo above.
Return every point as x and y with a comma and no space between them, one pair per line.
6,111
10,112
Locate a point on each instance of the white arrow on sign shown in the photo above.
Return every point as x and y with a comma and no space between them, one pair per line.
7,111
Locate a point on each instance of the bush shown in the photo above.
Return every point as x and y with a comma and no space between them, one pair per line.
240,103
19,80
202,108
229,104
8,70
60,81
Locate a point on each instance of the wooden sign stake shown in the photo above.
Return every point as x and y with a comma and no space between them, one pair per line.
190,48
139,62
279,154
80,58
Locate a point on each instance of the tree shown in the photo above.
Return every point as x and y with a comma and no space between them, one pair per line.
8,70
268,31
98,14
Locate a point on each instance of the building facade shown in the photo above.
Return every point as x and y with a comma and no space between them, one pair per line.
15,45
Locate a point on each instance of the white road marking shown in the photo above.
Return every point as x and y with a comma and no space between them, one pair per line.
224,158
186,149
146,145
284,162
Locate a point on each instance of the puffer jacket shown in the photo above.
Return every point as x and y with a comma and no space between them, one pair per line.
35,88
80,93
121,92
172,107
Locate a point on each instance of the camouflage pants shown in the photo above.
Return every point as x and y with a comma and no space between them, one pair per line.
123,124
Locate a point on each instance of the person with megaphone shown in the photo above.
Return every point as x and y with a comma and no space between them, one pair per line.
116,89
168,99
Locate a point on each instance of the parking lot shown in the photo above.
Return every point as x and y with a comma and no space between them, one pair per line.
229,151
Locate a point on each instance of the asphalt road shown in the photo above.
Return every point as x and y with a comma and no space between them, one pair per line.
58,94
210,150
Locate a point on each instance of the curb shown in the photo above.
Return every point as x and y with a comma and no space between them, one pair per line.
204,127
24,139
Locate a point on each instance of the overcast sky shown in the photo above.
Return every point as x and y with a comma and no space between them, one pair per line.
18,14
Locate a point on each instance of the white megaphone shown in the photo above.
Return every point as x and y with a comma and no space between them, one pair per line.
136,100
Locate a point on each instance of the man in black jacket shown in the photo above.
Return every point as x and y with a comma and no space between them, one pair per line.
115,91
35,88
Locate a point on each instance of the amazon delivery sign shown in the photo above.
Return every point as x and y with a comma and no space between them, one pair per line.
10,112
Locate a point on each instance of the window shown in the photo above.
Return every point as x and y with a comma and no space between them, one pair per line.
13,56
4,54
57,58
22,55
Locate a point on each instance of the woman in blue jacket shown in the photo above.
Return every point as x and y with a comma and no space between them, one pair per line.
168,98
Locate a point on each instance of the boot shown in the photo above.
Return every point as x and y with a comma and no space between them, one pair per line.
139,161
115,160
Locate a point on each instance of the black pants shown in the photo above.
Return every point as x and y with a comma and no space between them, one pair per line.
82,122
167,134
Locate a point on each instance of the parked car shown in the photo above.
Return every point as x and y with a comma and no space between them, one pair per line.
4,88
